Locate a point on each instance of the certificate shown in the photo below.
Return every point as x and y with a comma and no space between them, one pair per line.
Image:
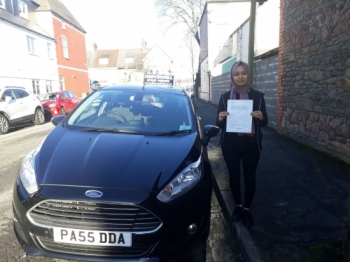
239,120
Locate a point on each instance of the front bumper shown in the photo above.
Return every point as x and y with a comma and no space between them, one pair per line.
152,245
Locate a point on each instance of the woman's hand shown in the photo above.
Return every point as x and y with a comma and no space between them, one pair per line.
222,115
257,114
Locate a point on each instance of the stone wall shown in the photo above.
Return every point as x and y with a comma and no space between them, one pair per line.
315,82
266,81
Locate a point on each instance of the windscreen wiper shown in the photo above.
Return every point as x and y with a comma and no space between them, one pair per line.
113,130
174,132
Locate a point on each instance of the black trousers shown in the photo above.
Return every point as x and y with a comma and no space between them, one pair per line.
249,160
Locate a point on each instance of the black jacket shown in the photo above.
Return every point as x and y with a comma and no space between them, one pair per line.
258,104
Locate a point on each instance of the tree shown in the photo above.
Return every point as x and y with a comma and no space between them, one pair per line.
175,12
193,54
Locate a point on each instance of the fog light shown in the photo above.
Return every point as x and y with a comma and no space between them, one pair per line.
192,228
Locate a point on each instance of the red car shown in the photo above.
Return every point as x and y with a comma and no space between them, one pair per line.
58,103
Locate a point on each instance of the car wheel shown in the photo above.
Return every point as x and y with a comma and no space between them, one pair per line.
39,117
63,112
4,125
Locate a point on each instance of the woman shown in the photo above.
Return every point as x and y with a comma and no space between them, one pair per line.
242,148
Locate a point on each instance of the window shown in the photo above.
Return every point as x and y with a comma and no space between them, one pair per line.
8,93
31,45
50,50
62,86
23,9
103,60
65,47
70,94
22,93
48,86
63,25
2,4
129,60
36,87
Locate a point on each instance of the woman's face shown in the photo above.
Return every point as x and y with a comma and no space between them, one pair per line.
240,76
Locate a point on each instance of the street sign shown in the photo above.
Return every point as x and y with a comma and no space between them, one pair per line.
167,80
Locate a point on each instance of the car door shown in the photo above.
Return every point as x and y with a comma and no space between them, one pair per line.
13,108
65,100
28,103
74,100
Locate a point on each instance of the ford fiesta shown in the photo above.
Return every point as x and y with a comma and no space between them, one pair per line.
118,179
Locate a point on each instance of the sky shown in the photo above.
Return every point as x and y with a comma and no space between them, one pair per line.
115,24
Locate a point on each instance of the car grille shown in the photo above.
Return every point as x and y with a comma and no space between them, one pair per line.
137,250
94,216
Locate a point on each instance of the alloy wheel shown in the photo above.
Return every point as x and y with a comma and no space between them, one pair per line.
4,125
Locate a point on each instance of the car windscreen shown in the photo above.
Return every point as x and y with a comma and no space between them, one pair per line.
48,96
141,111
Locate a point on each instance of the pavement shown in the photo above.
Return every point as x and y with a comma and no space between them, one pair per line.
301,205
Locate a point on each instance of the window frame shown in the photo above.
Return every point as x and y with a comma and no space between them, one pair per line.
48,85
50,51
2,4
36,86
65,47
20,5
31,45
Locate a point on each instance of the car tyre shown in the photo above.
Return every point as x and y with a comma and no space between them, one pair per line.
62,111
39,117
4,125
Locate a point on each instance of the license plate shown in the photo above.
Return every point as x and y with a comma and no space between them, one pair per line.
91,237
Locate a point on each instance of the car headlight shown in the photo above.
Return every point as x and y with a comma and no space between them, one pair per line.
182,183
27,172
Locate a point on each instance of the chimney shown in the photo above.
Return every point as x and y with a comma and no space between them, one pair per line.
144,45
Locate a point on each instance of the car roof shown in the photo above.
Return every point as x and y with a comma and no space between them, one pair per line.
19,87
154,89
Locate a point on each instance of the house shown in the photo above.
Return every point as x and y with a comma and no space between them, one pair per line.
69,35
219,19
301,64
120,66
219,53
28,53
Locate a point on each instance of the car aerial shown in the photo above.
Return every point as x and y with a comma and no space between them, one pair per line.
135,184
18,107
58,103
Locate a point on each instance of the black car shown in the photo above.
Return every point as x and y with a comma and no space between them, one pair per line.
122,178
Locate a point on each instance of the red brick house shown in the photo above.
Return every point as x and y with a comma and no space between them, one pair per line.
56,19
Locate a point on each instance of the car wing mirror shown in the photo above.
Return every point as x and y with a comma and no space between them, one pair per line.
57,119
7,99
209,132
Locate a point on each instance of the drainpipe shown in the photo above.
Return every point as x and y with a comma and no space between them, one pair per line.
251,41
209,82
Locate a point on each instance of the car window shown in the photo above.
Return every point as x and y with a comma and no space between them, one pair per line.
70,94
48,96
8,92
63,95
22,93
138,111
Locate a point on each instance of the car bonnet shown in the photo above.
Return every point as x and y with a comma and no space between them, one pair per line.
111,160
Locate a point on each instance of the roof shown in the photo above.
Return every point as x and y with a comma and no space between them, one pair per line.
116,57
112,56
23,23
58,8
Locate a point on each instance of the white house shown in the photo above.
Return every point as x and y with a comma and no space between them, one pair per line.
28,56
216,24
127,66
224,37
